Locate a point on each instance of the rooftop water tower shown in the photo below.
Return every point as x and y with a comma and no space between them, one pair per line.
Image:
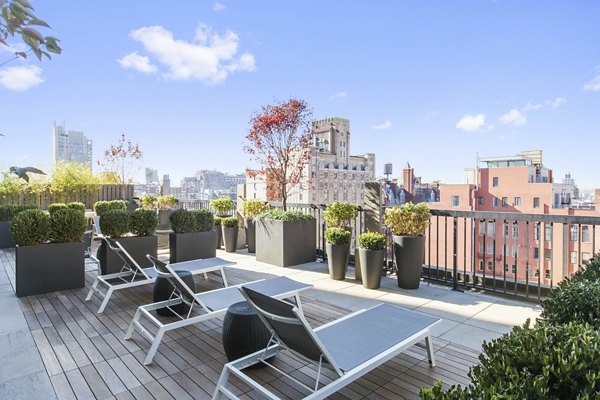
387,170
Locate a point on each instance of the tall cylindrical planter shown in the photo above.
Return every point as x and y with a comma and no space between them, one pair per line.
250,235
230,238
371,267
164,220
219,231
409,252
338,256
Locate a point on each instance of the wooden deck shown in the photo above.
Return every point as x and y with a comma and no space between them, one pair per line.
86,357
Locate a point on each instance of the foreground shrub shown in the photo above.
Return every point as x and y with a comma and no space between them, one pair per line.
340,214
576,300
279,214
337,235
143,222
591,271
115,223
67,225
77,206
229,222
222,205
56,206
372,241
8,211
205,220
545,362
252,207
102,207
218,221
183,221
30,227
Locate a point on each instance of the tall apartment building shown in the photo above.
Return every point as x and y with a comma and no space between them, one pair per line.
151,176
71,146
332,174
518,250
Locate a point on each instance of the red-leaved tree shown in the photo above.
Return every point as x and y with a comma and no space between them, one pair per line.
121,160
279,141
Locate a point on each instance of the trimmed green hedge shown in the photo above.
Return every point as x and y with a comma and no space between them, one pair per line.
8,211
102,207
337,235
55,207
115,223
183,221
218,220
77,206
30,227
67,225
279,214
205,220
372,241
230,222
143,222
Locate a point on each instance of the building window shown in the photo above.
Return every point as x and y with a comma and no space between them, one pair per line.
495,202
455,201
481,265
490,265
481,247
495,181
491,225
585,234
548,233
490,248
515,230
505,202
515,250
573,257
548,254
547,274
574,233
585,256
504,251
514,269
536,232
536,202
481,228
517,201
505,229
536,253
480,200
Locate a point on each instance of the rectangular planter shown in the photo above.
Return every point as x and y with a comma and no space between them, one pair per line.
49,267
5,236
192,246
286,243
136,246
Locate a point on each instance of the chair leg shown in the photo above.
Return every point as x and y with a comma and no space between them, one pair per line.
154,347
92,290
105,300
131,328
218,395
429,345
223,277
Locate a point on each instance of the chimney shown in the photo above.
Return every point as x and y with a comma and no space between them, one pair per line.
409,178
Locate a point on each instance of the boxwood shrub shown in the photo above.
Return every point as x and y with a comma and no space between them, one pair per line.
217,220
372,241
143,222
77,206
30,227
115,223
8,211
279,214
337,235
229,222
545,362
183,221
576,300
590,271
102,207
67,225
222,205
205,220
56,206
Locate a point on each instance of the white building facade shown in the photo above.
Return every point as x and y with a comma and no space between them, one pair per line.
70,146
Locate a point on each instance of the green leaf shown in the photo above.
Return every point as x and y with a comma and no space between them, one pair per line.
38,22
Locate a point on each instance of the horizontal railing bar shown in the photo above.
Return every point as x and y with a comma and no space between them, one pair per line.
548,218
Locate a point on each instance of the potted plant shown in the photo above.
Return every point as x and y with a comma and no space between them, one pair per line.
7,213
148,201
338,251
251,208
165,204
340,214
371,252
102,207
230,233
217,228
50,253
223,206
285,238
408,223
134,230
192,236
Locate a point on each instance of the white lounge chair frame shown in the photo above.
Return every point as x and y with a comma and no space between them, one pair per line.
345,377
212,304
132,275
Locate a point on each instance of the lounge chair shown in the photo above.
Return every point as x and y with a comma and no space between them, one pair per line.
350,346
132,275
202,306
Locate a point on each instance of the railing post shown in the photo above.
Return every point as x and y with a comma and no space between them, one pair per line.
455,255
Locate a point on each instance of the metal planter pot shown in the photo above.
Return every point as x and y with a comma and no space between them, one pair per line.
6,239
371,266
219,232
136,246
164,220
192,246
338,256
409,252
286,243
230,238
250,235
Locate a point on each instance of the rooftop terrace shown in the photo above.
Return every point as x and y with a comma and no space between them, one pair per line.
56,346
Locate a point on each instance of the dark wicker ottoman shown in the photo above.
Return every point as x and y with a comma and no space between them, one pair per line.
163,289
243,332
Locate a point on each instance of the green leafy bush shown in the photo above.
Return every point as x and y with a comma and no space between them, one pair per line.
252,207
102,207
143,222
545,362
279,214
115,223
205,220
148,201
340,214
183,221
408,219
56,206
230,222
30,227
591,271
67,225
218,220
8,211
337,235
166,202
222,205
372,241
576,300
77,206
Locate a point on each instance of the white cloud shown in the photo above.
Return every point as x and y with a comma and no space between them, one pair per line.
471,123
218,7
209,58
136,62
513,118
383,126
594,84
533,106
339,95
559,101
21,78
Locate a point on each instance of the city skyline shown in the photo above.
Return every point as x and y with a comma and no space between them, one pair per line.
429,83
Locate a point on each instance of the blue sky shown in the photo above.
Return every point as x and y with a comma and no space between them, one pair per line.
429,82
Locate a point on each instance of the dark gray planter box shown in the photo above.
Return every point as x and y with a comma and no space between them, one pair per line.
250,235
409,252
6,239
219,232
338,256
136,246
286,243
164,220
49,267
371,266
192,246
230,238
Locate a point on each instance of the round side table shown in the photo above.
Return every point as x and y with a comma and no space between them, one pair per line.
163,289
243,332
